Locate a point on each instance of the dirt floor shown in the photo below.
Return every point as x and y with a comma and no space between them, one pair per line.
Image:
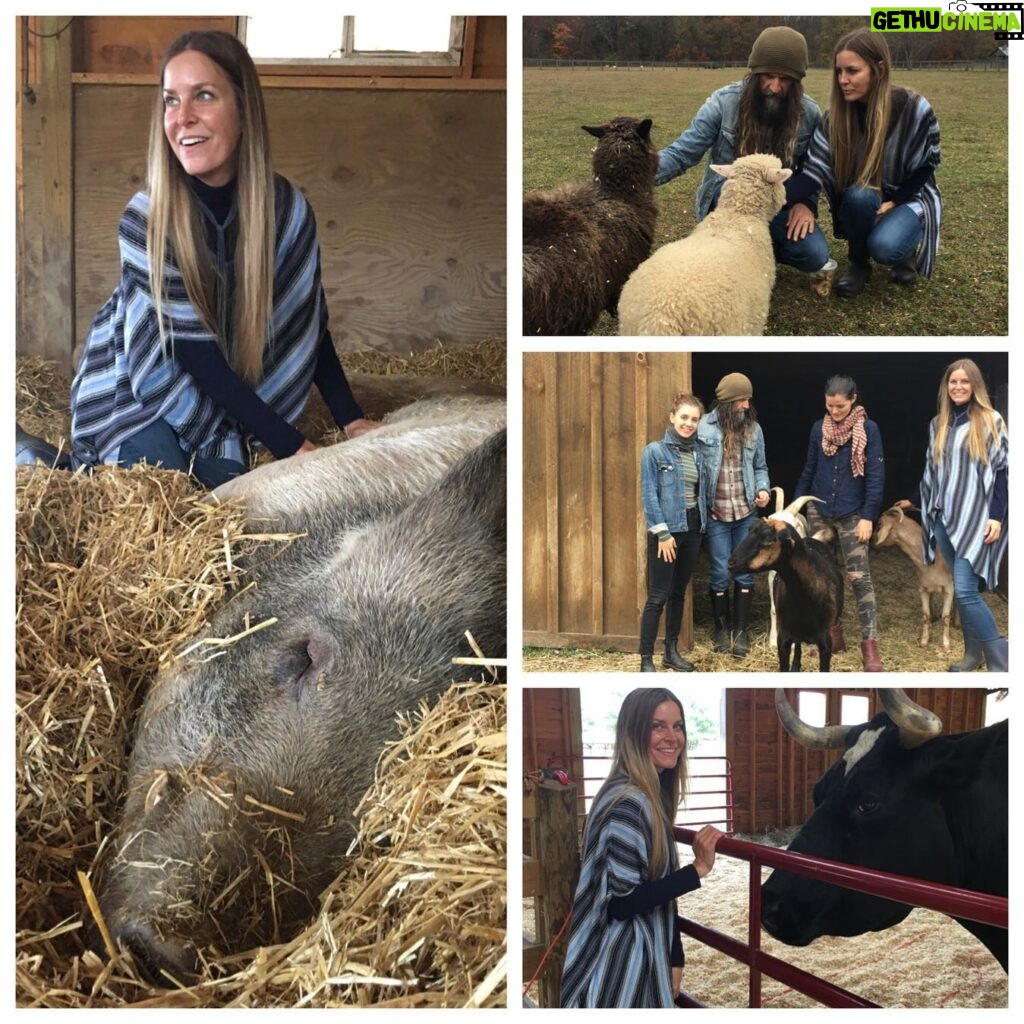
899,622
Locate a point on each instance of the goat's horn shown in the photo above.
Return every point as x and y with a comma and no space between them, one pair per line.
777,491
817,737
915,723
798,503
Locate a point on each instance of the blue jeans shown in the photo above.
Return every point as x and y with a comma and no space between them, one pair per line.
723,539
158,445
974,613
808,254
890,240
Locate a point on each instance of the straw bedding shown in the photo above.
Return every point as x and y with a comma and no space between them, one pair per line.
114,571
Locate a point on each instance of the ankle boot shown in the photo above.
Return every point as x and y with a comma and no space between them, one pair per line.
723,622
997,654
674,660
973,656
647,663
838,640
30,450
743,598
904,272
869,653
853,279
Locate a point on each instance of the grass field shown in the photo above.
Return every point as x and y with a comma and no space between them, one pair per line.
969,292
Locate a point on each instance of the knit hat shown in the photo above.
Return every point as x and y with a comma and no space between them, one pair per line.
734,387
779,50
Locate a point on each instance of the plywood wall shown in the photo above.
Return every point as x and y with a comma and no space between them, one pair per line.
586,420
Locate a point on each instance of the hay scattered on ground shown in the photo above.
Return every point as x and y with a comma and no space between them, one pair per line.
484,361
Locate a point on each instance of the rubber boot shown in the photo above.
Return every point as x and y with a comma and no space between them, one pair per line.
905,272
973,656
674,660
853,279
869,653
838,640
997,654
29,450
723,622
743,598
647,663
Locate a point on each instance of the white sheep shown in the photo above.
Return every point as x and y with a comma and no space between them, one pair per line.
719,279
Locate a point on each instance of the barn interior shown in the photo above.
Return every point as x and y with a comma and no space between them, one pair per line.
752,780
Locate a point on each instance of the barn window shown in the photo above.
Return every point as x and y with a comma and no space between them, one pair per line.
421,39
854,709
811,707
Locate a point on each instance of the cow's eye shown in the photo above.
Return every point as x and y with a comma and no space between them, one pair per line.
867,805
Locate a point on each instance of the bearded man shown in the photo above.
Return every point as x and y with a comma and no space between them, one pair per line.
768,112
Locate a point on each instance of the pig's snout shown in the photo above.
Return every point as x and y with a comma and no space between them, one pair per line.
163,961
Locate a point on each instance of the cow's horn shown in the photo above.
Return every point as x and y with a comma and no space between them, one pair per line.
817,737
915,723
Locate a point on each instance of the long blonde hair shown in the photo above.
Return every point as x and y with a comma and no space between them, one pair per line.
632,759
857,154
984,425
175,221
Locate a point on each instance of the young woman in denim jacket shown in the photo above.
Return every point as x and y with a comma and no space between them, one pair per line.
670,471
734,479
845,469
767,112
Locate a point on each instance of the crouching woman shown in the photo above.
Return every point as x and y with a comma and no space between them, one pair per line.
624,948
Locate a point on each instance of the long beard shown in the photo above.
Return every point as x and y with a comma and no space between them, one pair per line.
769,124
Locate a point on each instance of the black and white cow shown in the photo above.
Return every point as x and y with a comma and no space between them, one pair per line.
903,799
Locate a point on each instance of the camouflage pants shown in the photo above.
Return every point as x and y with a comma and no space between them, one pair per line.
855,560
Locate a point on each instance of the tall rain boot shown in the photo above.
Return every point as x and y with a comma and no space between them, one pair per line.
973,656
743,598
997,654
723,622
869,654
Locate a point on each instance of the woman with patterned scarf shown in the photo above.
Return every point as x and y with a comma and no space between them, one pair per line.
874,153
845,470
218,327
624,948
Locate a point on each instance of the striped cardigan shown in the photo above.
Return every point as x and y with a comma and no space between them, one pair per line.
912,144
125,381
958,491
611,963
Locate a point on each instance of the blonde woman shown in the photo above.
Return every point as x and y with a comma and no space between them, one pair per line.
218,326
874,153
624,948
964,504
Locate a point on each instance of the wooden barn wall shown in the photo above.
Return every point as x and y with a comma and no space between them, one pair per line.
407,184
552,724
774,776
586,420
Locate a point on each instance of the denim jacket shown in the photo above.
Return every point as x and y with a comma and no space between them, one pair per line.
830,477
753,465
714,128
661,486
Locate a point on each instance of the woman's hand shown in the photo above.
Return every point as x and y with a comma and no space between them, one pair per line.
704,843
864,530
306,446
677,980
904,504
762,499
799,223
884,209
992,531
358,427
667,549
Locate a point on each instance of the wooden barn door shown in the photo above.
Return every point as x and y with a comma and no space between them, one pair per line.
586,419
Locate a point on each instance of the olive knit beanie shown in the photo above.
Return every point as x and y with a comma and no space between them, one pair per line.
734,387
779,50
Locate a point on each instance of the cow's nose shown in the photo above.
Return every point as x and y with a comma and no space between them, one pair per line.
163,961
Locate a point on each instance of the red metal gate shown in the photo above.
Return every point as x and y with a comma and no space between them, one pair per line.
947,899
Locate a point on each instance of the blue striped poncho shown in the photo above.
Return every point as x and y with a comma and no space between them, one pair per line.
611,963
912,144
125,381
958,490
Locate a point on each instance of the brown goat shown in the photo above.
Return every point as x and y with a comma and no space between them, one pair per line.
581,241
894,529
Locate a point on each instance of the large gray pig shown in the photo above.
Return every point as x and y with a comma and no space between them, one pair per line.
250,756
